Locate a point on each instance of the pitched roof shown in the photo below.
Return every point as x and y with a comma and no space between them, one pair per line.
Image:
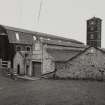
65,48
95,18
70,59
61,55
63,43
28,35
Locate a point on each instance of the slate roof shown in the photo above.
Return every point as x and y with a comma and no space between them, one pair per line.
26,36
61,55
65,48
65,56
88,47
64,44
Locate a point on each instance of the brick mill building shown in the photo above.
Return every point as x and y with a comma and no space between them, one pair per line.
33,53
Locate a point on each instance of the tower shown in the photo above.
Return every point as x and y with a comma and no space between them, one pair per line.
94,32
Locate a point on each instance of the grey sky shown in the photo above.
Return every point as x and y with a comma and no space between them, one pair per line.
65,18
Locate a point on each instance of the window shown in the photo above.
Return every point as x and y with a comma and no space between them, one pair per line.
91,28
17,36
18,48
92,22
92,43
28,48
91,36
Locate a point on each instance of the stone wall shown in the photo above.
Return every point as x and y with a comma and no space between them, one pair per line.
48,63
40,54
18,60
89,64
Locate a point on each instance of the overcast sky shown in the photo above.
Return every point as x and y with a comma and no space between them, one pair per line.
65,18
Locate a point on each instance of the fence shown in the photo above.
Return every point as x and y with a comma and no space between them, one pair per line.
4,64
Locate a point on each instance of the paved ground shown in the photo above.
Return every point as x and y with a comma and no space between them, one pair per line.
51,92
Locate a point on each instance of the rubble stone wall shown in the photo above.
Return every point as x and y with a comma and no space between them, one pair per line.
18,60
48,63
90,64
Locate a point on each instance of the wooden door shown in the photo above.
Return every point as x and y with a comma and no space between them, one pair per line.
36,69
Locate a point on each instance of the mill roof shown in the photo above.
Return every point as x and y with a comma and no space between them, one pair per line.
26,37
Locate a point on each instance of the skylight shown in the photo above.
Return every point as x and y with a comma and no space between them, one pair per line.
34,37
17,35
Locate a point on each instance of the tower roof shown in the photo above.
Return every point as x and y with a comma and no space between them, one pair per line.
95,18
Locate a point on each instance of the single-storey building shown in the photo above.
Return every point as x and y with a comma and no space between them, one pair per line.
88,64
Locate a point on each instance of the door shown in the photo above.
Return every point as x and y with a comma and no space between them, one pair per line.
18,69
27,69
36,69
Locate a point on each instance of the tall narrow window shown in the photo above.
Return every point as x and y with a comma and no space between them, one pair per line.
92,28
17,36
92,36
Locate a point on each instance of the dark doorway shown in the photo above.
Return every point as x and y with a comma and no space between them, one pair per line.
27,69
18,69
36,69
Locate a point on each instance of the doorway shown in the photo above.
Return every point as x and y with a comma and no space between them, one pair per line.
18,69
27,69
36,69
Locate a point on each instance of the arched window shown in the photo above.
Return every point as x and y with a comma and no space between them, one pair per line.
18,48
28,48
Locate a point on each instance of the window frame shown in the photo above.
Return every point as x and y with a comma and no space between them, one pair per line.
28,47
18,46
